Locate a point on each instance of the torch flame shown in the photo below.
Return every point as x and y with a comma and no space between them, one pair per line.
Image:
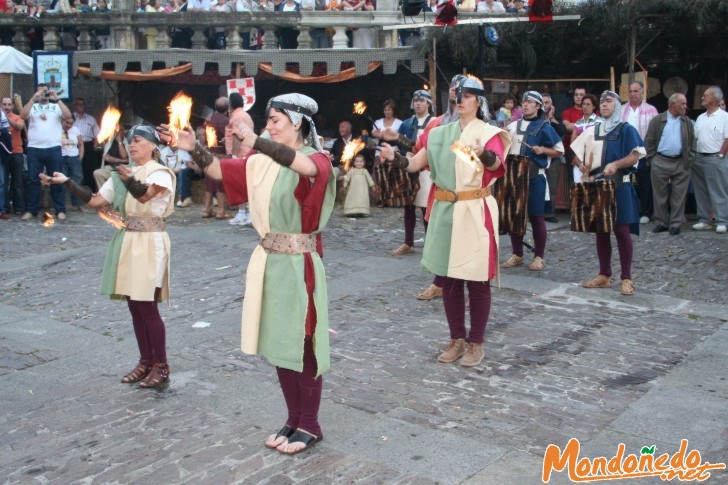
350,151
466,154
109,124
211,135
48,220
112,217
180,111
360,107
426,87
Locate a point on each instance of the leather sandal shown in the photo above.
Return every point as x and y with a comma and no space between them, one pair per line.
286,431
140,372
158,378
601,281
627,288
206,214
300,437
431,292
537,264
512,261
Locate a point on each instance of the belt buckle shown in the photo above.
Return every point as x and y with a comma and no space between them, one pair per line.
625,179
542,171
454,194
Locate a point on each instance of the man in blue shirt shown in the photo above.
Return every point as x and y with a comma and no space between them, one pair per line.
670,144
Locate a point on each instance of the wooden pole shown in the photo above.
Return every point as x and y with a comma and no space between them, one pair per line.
612,84
632,50
433,75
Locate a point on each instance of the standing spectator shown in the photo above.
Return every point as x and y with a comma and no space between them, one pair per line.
287,37
16,189
219,119
116,152
361,38
89,129
72,148
338,148
589,118
670,145
220,35
5,151
198,5
556,167
490,6
103,34
710,170
638,114
151,32
236,149
44,112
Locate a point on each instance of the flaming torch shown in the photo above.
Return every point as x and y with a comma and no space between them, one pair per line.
112,217
360,108
109,124
48,220
180,110
350,151
211,136
465,154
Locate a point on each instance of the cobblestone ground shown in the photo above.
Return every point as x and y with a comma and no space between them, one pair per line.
561,362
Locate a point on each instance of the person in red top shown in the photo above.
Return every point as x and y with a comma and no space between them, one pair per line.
569,117
15,188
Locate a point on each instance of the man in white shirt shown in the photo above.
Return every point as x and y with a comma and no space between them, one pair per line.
44,112
89,129
639,114
710,172
198,5
72,151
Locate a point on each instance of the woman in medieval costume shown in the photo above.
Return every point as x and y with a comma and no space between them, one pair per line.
462,236
291,188
137,262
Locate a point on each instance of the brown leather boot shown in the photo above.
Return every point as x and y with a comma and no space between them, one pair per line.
455,350
474,355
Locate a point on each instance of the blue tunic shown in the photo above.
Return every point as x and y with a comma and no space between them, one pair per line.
620,142
537,132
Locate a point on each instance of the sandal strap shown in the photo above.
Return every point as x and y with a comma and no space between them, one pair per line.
286,431
305,438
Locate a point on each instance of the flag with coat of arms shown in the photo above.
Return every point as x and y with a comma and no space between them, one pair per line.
246,87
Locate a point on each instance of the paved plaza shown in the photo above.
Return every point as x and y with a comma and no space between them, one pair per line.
561,362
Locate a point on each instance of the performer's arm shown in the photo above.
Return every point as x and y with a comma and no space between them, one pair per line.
549,152
82,193
280,153
626,162
139,190
414,164
209,163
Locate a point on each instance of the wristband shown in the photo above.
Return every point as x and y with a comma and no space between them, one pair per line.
201,156
400,161
136,188
280,153
82,193
488,158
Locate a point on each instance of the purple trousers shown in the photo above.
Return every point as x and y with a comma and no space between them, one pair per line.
453,297
302,392
410,220
624,246
149,330
538,226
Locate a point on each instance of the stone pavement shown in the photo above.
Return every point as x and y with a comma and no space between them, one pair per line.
561,362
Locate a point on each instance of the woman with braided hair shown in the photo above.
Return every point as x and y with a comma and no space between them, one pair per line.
462,236
137,262
290,187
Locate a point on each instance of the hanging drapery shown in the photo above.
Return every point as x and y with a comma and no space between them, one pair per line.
138,76
344,75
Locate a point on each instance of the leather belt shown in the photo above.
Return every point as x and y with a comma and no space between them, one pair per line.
452,196
274,243
708,154
668,156
144,224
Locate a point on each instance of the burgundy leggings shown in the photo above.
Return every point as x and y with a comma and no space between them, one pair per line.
302,392
624,245
538,226
149,330
453,296
410,220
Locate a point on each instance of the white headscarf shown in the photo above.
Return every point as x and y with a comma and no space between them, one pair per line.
616,118
474,86
297,107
